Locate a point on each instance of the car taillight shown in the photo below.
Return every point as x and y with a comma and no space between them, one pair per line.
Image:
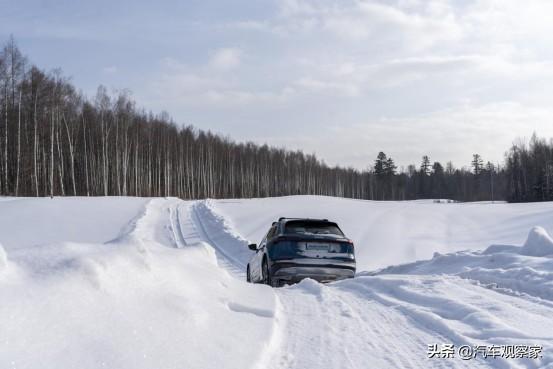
282,248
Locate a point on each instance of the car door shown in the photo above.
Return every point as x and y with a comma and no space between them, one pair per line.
263,248
255,269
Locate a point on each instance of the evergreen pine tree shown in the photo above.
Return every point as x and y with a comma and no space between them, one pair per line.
425,165
380,164
477,164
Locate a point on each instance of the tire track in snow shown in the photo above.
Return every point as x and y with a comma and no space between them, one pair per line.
183,230
174,223
310,323
464,313
187,226
332,328
235,266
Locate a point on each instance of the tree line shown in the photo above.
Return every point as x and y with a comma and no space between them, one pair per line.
54,141
431,180
529,169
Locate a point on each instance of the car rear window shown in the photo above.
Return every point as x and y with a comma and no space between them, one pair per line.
303,227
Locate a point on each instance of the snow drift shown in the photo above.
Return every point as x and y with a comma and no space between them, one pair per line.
28,222
538,243
526,269
152,296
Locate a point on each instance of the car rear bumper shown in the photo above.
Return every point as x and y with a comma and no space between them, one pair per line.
322,270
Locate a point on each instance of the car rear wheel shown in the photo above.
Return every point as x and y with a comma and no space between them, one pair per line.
248,277
266,274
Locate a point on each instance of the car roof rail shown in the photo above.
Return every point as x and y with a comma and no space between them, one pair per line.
286,218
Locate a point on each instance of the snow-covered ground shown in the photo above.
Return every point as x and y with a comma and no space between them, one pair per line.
159,283
387,233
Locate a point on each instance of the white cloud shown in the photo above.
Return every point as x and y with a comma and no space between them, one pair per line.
450,134
334,87
112,69
225,58
178,85
344,78
371,21
438,77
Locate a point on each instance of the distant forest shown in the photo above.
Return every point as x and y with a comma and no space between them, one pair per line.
54,141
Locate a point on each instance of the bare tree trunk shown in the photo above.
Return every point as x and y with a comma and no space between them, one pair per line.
117,157
35,145
52,157
60,156
85,158
125,161
150,182
6,189
71,155
137,189
104,155
18,146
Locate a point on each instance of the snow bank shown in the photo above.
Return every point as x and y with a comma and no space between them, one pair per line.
26,222
222,236
148,299
518,270
538,243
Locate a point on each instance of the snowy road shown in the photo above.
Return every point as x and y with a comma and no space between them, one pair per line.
167,290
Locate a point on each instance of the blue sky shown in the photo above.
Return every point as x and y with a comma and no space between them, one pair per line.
342,79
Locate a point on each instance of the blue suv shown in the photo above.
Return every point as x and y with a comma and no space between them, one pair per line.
298,248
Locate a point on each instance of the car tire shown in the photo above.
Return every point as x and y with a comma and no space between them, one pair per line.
248,277
266,274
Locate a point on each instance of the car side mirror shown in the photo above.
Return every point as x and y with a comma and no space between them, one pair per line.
252,246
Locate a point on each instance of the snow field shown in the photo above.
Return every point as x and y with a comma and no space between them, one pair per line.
159,283
387,232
